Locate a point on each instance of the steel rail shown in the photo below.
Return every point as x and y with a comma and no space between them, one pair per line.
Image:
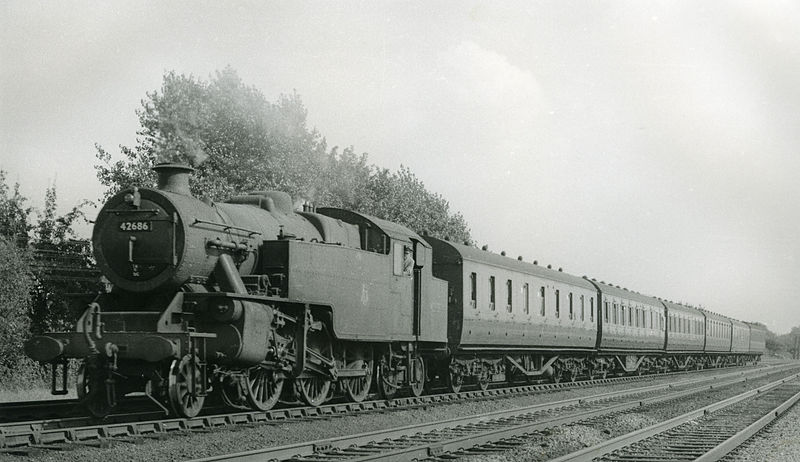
620,442
435,438
722,449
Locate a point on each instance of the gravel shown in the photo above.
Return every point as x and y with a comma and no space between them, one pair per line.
565,440
779,442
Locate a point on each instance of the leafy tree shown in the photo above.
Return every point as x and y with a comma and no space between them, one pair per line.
236,140
239,142
63,266
16,282
14,214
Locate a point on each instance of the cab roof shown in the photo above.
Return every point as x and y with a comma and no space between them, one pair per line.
391,229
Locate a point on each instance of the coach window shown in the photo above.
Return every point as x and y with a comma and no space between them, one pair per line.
509,296
571,313
614,313
637,316
558,304
583,308
605,317
630,316
473,290
591,308
526,298
491,293
621,312
541,301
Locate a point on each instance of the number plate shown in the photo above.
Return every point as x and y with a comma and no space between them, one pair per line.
136,226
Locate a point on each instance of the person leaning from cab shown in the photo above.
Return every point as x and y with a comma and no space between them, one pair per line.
408,261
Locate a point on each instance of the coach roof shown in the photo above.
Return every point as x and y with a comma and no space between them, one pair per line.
609,289
473,254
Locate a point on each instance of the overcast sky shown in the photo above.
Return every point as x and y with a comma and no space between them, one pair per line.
652,145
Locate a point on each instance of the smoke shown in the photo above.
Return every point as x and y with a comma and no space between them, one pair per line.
305,199
180,147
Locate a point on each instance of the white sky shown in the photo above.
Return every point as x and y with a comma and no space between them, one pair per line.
648,144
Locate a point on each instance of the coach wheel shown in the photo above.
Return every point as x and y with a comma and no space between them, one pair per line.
571,374
389,379
455,379
264,387
92,391
417,379
357,388
557,374
483,380
184,387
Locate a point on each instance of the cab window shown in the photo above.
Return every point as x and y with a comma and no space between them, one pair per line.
403,259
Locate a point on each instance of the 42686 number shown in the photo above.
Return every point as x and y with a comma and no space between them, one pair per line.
135,226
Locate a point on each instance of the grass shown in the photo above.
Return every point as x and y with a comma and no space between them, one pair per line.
28,381
32,394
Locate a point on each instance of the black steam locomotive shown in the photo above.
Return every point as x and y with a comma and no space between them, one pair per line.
253,301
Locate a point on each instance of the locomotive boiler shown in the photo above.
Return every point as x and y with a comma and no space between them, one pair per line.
243,296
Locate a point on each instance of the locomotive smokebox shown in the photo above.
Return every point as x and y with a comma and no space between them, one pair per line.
174,177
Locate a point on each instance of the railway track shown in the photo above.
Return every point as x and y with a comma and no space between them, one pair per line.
706,434
23,437
474,435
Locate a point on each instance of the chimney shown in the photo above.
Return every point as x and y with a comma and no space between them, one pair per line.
174,178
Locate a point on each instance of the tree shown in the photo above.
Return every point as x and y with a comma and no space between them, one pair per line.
63,266
239,142
14,226
236,140
16,282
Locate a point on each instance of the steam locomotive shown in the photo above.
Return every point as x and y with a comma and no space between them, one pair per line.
254,301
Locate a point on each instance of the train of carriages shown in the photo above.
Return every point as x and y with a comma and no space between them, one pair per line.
254,301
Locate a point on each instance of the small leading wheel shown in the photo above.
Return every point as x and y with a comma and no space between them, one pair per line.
357,388
184,387
92,392
455,379
312,390
263,388
417,378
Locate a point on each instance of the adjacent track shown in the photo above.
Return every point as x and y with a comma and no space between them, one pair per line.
707,434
